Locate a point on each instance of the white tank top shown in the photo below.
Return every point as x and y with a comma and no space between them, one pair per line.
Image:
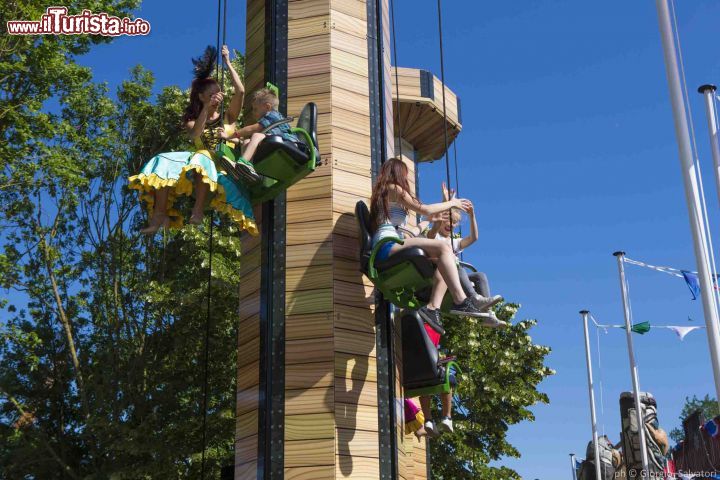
388,228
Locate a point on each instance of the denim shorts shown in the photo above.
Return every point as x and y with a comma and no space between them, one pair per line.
384,251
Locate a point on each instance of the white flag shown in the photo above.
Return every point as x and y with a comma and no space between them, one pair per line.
682,331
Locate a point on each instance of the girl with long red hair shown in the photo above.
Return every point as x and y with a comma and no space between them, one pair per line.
389,206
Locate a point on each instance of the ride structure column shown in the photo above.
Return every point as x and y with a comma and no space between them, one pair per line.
308,377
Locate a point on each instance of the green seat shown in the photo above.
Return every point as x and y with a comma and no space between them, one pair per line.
281,163
403,277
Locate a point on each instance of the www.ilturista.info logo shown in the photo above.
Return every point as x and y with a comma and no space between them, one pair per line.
56,21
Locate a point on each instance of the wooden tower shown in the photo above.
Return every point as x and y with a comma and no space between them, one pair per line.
318,397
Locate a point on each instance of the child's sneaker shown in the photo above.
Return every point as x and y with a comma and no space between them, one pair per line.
246,170
432,318
430,429
485,303
445,425
492,321
467,309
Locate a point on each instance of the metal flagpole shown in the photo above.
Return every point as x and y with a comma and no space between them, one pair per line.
692,197
591,392
633,368
572,466
708,92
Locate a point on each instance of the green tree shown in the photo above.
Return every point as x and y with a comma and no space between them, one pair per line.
707,405
501,371
101,347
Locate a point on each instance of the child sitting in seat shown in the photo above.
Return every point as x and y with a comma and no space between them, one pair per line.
264,109
475,284
445,424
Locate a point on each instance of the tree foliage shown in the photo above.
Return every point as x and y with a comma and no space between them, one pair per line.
102,333
707,405
501,371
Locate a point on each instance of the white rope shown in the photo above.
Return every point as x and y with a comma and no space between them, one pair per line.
669,270
698,173
652,325
629,300
600,375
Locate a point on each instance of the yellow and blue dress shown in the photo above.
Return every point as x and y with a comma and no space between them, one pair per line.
177,171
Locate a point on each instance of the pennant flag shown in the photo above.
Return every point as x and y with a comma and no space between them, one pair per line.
641,328
682,331
693,284
578,464
712,427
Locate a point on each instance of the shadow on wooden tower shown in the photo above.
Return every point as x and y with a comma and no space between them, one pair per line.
318,397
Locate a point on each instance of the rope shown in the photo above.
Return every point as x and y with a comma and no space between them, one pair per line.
397,81
217,41
696,159
442,81
669,270
600,377
457,188
221,68
206,352
717,124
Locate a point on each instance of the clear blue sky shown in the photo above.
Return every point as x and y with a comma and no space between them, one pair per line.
568,151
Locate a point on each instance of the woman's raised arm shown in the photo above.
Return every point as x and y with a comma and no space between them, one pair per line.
236,102
411,203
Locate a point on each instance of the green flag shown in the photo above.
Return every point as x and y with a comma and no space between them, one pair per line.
641,328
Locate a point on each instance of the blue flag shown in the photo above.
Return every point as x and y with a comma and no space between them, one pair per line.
693,284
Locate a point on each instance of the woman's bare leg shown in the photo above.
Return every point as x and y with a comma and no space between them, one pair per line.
201,191
161,200
159,216
438,291
446,263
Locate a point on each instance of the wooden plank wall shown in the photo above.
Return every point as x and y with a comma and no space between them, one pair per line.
309,357
356,412
331,414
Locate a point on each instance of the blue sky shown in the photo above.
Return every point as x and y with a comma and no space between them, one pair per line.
568,152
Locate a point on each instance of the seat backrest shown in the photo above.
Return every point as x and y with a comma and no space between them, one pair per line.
420,355
363,218
308,122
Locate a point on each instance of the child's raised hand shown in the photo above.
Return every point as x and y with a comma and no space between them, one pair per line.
225,52
447,194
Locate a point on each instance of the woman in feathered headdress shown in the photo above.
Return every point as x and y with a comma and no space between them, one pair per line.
169,175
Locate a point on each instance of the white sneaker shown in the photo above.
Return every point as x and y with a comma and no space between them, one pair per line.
430,429
445,425
491,321
485,303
